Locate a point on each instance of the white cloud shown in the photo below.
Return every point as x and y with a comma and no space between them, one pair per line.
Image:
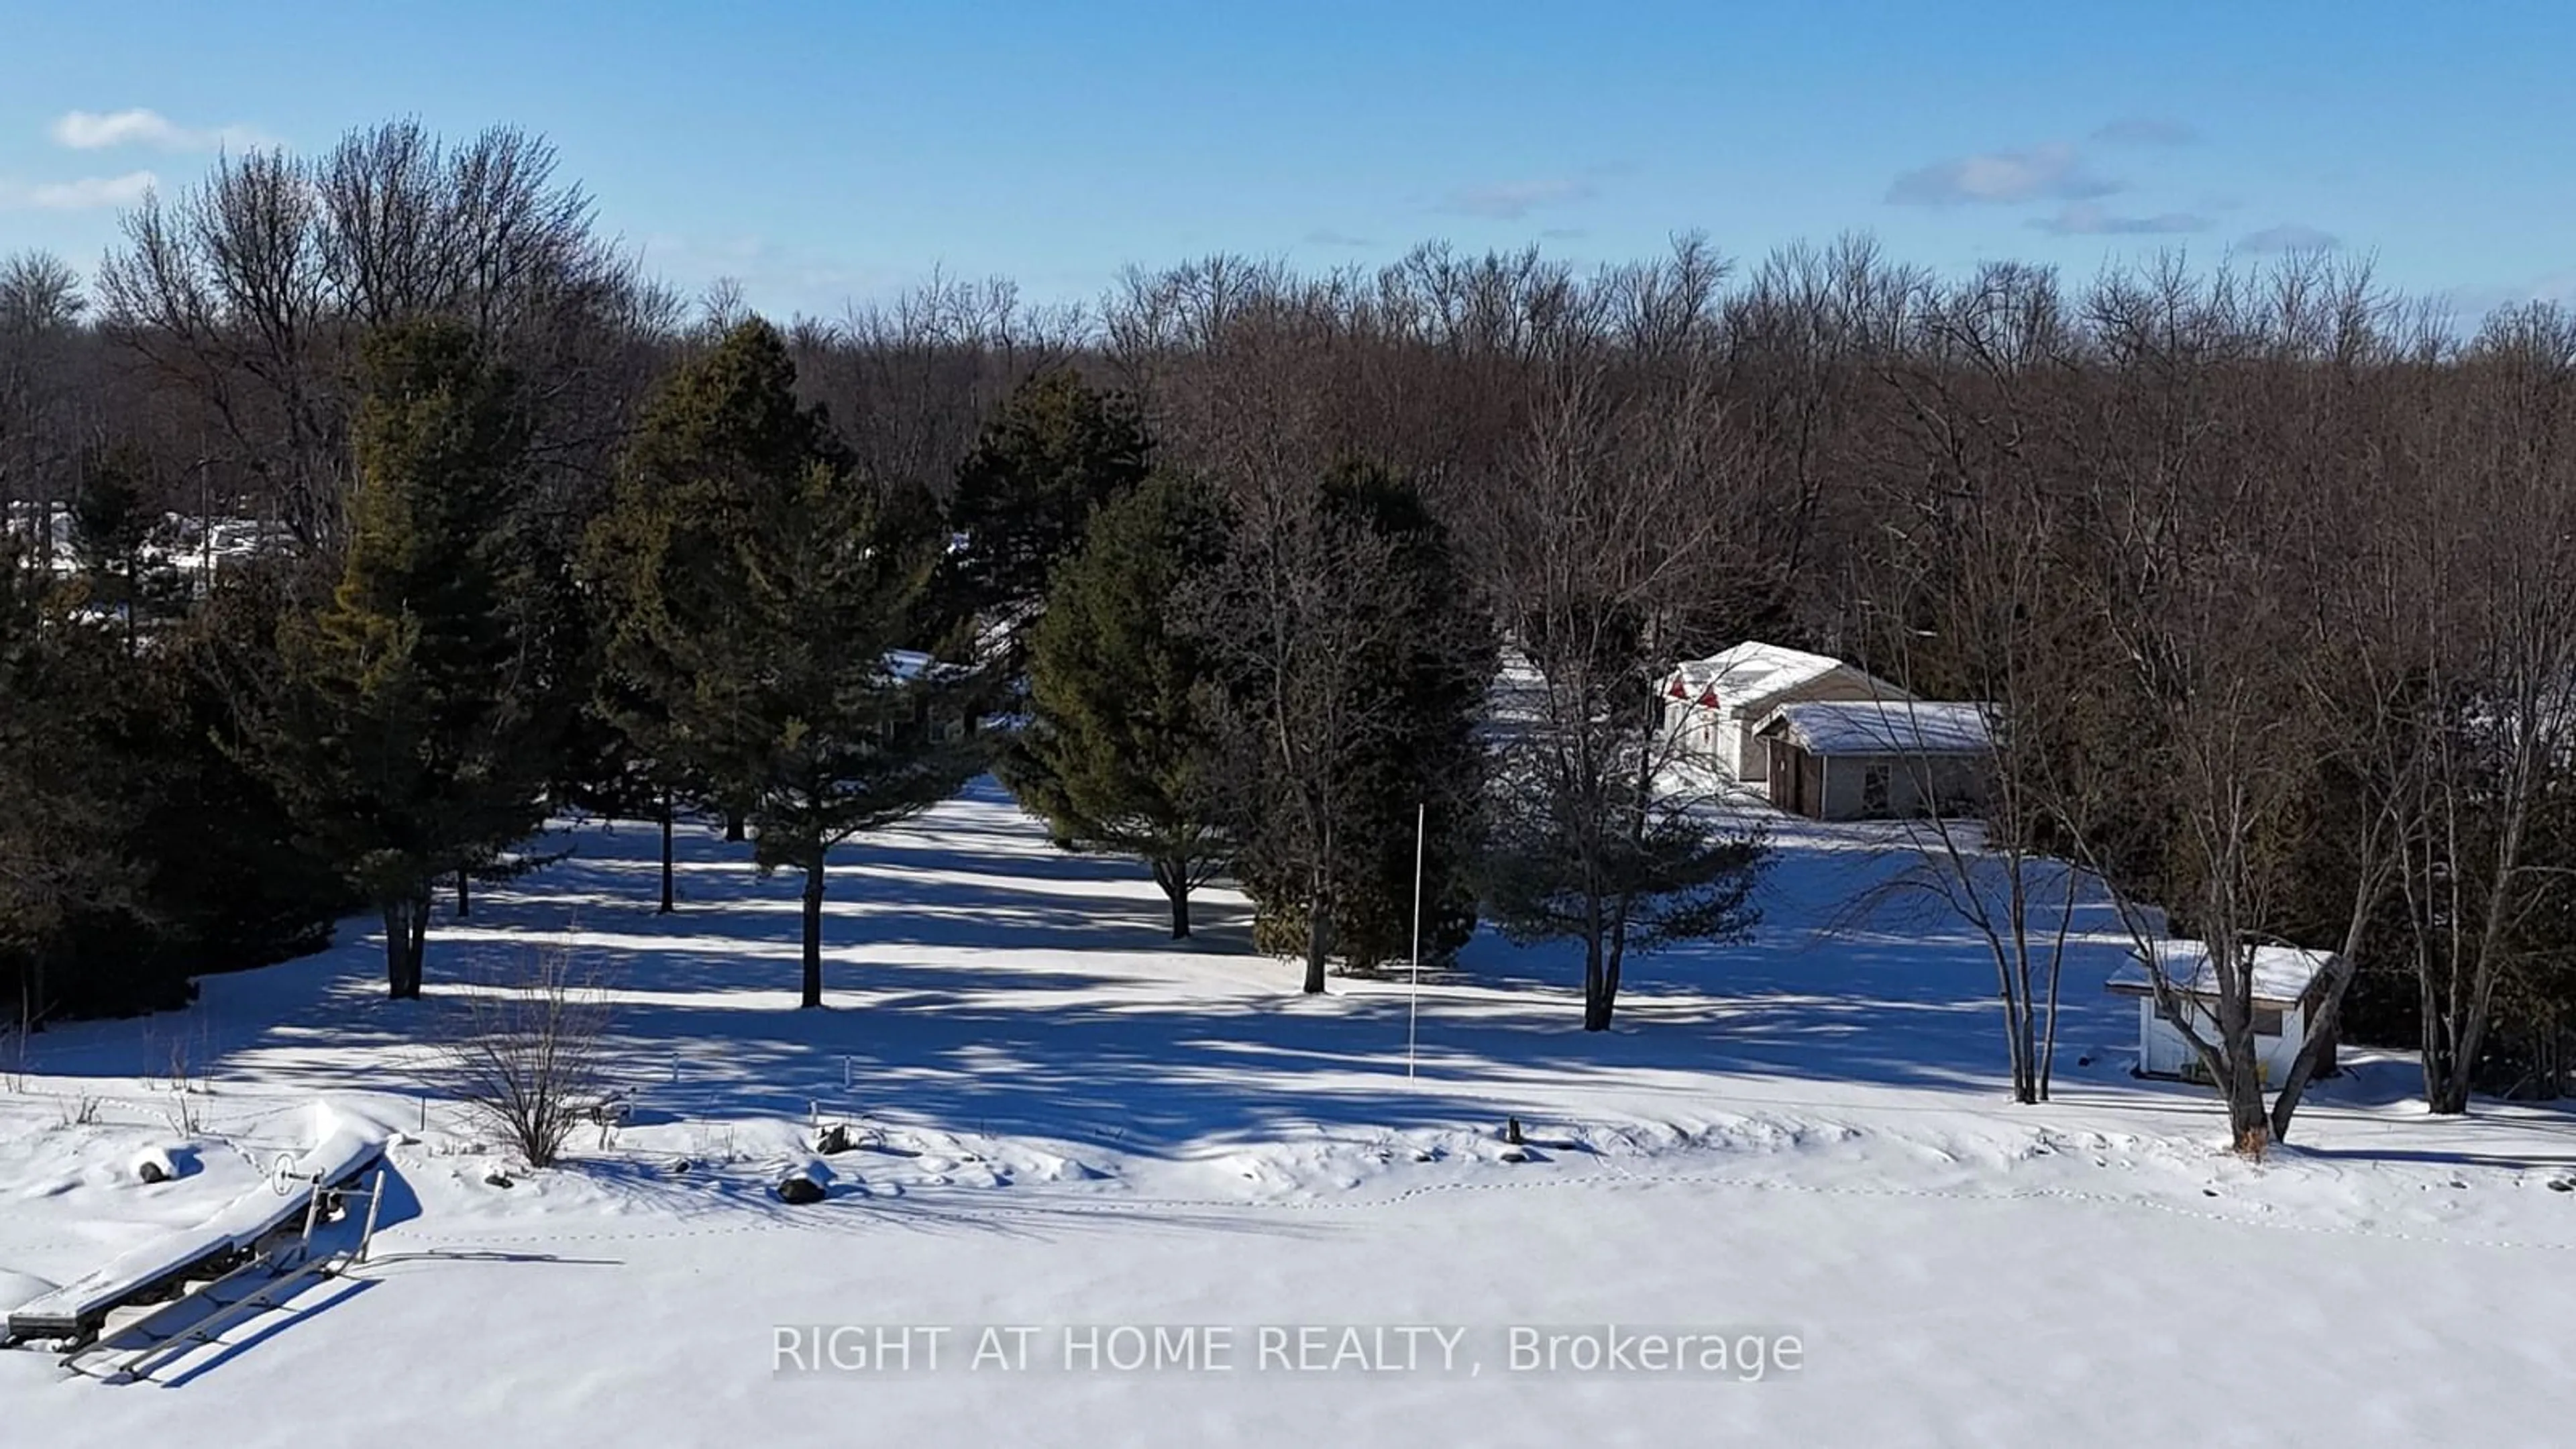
88,193
100,130
2289,237
2147,131
2042,173
2478,302
2085,218
1512,200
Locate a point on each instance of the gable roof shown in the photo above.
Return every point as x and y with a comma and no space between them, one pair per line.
1752,673
1882,727
2282,974
910,666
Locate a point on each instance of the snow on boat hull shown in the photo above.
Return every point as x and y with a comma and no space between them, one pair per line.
76,1309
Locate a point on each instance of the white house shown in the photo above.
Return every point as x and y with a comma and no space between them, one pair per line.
1878,759
2289,982
1714,705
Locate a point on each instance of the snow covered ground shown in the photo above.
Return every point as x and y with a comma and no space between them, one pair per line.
183,541
1798,1148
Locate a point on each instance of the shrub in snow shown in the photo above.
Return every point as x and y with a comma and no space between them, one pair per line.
530,1057
153,1165
797,1189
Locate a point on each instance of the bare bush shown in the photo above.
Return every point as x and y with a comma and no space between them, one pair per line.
531,1054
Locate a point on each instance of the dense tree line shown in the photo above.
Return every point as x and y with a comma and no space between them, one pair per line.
2267,573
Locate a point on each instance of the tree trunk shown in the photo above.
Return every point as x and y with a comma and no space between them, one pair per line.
1597,998
1176,888
397,947
2056,974
2248,1124
2445,1088
813,934
31,992
2473,1031
667,906
1318,935
1597,1007
464,894
733,825
2240,1081
2327,1021
414,971
2303,1067
406,934
1614,960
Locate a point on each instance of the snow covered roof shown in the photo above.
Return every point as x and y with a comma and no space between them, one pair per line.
1883,727
909,666
1753,671
2282,974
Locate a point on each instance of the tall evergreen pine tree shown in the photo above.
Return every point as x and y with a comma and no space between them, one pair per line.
770,595
1058,451
1121,752
65,802
1420,656
410,736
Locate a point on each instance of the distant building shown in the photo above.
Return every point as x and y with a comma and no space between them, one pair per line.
1877,759
1713,706
2289,985
944,725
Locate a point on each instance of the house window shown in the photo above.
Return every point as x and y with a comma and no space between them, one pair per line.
1873,790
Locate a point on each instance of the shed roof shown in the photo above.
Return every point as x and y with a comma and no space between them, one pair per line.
1752,672
1883,727
2282,974
909,666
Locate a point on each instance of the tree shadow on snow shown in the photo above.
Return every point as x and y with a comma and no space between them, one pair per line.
985,982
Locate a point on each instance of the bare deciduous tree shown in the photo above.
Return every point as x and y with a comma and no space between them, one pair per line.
2496,682
248,293
41,309
1973,603
1603,823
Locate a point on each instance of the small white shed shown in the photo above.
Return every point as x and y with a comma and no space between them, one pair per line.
1713,705
2288,984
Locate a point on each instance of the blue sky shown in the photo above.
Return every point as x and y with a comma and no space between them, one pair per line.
827,150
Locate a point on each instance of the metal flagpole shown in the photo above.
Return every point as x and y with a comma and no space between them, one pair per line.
1413,1005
